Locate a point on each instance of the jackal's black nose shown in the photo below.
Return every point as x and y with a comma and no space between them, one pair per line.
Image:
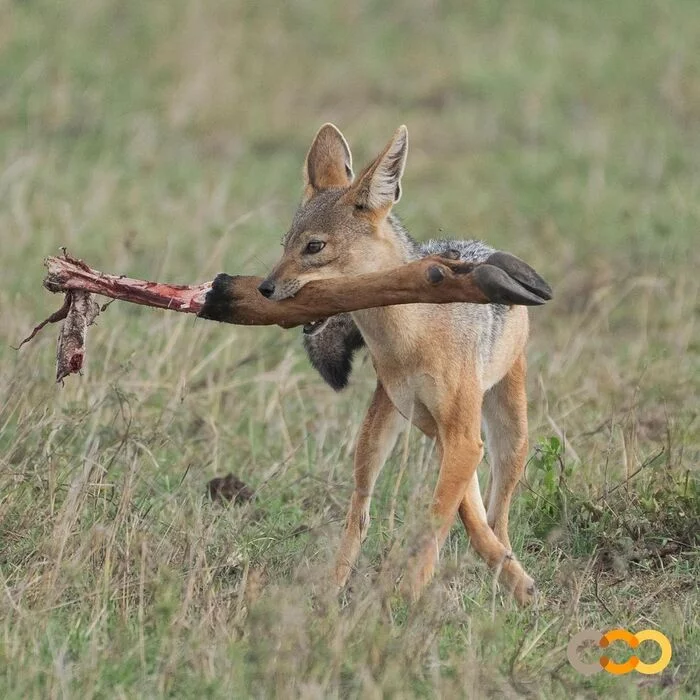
267,288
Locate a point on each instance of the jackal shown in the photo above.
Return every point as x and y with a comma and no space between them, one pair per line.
446,368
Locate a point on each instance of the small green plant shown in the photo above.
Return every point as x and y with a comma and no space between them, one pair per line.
548,460
547,492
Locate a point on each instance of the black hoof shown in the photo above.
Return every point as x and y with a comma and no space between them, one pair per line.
522,273
500,288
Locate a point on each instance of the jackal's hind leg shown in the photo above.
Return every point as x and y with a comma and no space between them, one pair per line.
377,437
505,416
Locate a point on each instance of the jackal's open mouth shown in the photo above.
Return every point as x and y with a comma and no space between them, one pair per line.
315,326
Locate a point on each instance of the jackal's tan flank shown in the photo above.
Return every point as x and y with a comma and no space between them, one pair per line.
445,368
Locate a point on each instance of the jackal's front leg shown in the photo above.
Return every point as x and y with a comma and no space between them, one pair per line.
460,455
491,549
377,437
457,490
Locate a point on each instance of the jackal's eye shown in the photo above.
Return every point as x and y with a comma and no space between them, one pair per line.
314,247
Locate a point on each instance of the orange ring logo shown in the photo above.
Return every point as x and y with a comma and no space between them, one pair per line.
633,663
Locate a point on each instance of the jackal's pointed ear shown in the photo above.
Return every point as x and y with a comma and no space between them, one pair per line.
328,162
379,185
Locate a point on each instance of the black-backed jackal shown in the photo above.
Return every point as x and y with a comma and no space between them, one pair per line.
445,367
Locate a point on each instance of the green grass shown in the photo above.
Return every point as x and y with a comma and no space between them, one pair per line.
165,140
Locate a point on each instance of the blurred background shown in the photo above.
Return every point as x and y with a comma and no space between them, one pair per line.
165,140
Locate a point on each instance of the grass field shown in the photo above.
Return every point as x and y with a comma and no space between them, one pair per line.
165,140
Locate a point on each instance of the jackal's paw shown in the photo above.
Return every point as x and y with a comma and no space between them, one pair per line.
420,568
413,582
340,577
525,592
516,580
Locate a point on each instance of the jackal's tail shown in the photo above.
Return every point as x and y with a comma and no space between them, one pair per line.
331,349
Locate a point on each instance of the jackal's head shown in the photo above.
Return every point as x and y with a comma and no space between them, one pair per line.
342,226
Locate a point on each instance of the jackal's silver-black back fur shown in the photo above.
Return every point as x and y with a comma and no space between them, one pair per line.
332,349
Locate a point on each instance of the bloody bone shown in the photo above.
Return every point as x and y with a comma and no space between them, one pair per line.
502,279
66,273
